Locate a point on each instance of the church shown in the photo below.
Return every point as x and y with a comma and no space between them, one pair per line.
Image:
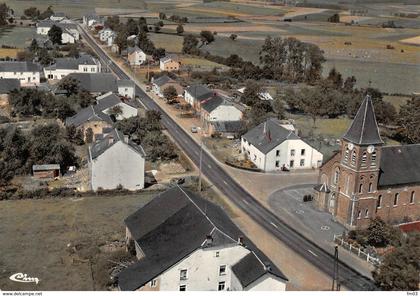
366,179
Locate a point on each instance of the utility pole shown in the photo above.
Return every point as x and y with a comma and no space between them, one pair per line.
336,282
199,172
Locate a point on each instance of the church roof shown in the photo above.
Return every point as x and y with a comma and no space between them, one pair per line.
364,129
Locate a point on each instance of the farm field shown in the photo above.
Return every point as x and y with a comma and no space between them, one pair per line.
46,227
18,37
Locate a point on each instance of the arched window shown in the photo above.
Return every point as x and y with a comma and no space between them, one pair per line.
367,213
364,158
396,197
412,197
336,174
373,159
353,158
379,202
370,187
361,188
346,154
359,214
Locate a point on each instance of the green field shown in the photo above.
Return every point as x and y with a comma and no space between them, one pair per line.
19,37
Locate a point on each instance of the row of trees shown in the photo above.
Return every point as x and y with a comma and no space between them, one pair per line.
35,14
5,12
147,131
44,144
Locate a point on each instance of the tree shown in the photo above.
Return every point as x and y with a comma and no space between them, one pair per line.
132,27
159,53
409,119
89,135
54,34
116,111
74,51
44,57
46,13
83,98
206,37
112,22
189,46
170,93
121,39
70,85
278,107
399,270
34,46
179,29
233,37
335,78
4,14
31,12
259,113
162,16
251,94
335,18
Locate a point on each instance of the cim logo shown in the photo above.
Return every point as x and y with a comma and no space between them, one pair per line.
23,278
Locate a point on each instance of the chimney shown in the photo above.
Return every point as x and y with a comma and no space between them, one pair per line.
111,139
125,138
240,240
267,266
209,240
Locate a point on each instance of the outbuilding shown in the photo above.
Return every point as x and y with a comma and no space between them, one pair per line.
46,171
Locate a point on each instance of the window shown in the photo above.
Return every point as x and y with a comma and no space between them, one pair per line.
292,163
302,152
412,196
292,152
353,158
183,288
379,202
373,159
367,213
217,254
361,188
222,270
370,187
364,157
183,274
277,163
302,162
221,286
277,152
336,174
153,283
396,197
346,154
359,214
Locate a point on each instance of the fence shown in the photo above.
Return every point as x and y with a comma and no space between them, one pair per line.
356,251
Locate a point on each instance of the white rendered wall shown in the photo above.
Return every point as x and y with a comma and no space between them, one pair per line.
26,78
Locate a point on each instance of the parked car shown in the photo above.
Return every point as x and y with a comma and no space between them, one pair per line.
194,129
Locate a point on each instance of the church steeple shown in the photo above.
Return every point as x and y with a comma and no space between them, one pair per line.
364,128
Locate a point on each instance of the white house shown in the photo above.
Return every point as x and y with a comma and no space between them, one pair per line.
91,19
105,34
126,88
184,242
107,102
111,39
136,56
115,160
58,17
169,63
217,108
70,32
66,66
272,147
27,73
195,93
161,83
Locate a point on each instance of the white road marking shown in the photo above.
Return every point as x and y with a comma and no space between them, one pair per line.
245,202
225,182
209,166
274,225
312,253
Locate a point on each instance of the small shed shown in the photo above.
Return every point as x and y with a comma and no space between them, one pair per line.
43,171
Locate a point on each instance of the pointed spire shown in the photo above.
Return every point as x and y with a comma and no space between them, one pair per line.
364,128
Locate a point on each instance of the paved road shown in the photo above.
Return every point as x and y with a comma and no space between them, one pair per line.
322,259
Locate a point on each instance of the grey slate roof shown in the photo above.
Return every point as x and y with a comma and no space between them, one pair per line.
125,83
228,126
213,102
19,67
171,227
169,57
364,129
88,114
96,82
199,91
130,50
50,23
273,131
107,102
45,167
400,165
9,84
162,80
110,139
72,63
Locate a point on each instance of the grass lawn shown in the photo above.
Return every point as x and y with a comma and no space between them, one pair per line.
35,234
172,43
329,127
396,101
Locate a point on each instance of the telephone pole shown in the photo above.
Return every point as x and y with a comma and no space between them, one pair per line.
336,282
